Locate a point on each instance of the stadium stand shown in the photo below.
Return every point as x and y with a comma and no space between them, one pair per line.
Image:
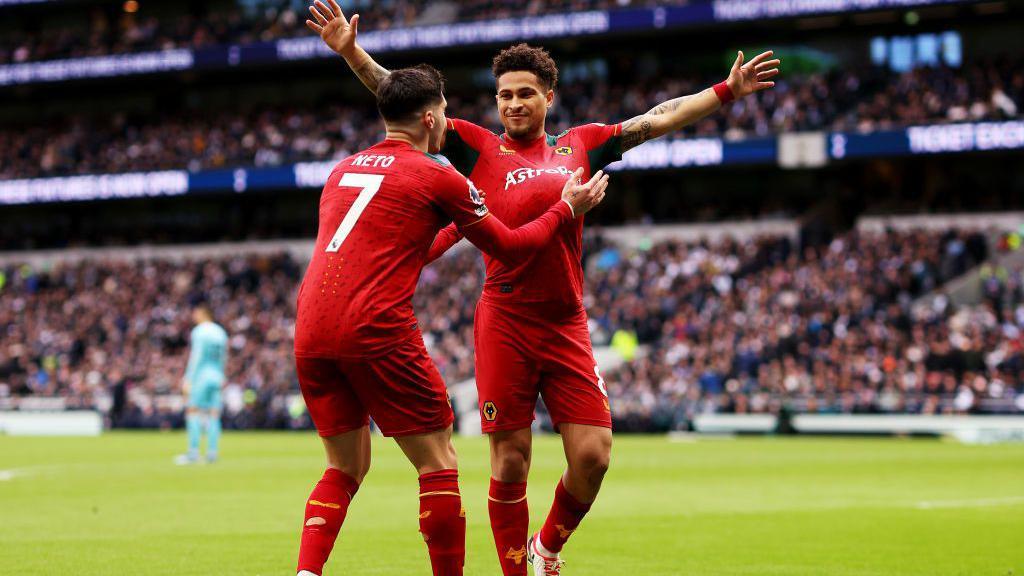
116,32
833,328
846,100
733,325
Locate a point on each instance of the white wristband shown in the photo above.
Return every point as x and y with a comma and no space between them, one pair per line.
570,207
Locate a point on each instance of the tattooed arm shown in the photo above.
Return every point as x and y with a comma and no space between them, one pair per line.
668,117
744,79
369,72
340,35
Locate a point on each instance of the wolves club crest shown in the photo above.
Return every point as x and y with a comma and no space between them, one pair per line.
490,411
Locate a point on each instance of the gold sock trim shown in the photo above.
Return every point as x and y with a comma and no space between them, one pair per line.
325,504
517,501
439,493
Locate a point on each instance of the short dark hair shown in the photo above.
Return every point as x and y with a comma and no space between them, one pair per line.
526,58
407,91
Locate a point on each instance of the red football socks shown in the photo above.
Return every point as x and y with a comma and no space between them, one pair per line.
565,515
510,523
443,521
325,513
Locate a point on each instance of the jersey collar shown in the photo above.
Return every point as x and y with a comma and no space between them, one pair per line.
546,138
395,143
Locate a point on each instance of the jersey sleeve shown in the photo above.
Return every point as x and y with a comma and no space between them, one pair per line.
513,247
463,142
603,143
461,201
457,197
449,236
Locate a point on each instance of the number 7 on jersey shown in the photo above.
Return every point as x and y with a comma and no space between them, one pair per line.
370,184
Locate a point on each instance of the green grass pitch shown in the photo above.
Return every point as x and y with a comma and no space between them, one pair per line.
838,507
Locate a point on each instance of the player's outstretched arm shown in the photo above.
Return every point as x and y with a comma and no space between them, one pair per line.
340,34
744,79
516,246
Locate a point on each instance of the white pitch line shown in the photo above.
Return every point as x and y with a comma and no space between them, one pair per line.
974,503
13,473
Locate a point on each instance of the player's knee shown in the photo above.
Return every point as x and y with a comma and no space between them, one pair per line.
511,468
512,463
442,458
359,473
593,462
598,463
357,469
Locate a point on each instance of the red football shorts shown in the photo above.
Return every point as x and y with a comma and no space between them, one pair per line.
523,351
402,391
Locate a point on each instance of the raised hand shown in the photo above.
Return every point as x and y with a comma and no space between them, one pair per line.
745,79
338,33
583,197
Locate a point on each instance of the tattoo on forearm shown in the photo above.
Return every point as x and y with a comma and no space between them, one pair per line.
669,106
638,130
371,73
664,107
635,132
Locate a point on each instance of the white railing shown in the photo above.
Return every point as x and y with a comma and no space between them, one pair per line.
76,423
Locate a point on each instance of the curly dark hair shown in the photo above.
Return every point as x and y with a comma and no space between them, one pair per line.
526,58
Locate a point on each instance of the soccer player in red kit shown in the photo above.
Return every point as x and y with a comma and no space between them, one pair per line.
523,318
358,349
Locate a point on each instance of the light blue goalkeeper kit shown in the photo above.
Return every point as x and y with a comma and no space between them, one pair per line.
206,364
205,374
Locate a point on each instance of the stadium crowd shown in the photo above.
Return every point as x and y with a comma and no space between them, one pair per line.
833,328
865,99
736,326
119,329
114,31
77,329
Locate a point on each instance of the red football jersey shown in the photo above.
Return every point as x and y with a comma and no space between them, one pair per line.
521,179
379,212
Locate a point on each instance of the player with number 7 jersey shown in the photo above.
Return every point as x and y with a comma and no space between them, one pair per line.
379,212
358,349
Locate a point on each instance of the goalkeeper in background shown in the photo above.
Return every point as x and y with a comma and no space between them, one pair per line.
202,384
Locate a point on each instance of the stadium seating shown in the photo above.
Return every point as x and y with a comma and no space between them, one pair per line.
833,329
730,326
846,100
118,33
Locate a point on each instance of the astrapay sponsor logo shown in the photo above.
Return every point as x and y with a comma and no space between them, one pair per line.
520,175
